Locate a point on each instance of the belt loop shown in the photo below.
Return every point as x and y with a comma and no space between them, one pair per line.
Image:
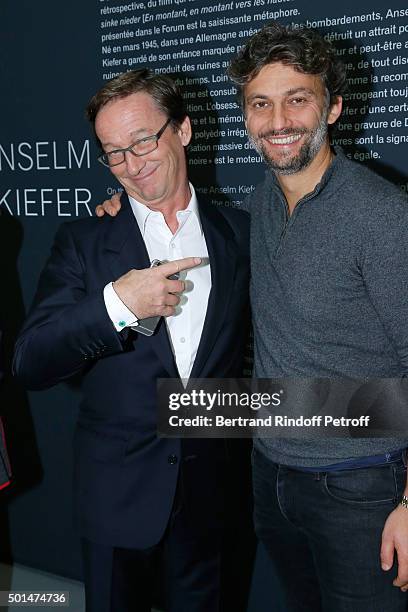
317,476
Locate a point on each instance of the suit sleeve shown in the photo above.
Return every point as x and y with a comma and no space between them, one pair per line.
67,327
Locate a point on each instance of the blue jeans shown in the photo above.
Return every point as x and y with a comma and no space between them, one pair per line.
323,534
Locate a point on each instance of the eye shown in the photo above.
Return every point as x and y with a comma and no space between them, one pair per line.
259,104
113,154
297,101
143,140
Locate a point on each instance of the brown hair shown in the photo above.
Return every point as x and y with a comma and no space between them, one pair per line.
162,88
303,48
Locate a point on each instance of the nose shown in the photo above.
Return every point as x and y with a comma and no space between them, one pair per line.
134,164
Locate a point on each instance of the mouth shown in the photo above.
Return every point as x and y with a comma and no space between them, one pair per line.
144,174
283,140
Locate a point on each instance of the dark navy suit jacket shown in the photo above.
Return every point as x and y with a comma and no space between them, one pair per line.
125,476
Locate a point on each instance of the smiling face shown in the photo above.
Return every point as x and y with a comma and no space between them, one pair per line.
159,177
287,114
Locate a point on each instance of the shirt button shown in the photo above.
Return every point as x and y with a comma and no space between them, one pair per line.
182,340
172,459
173,246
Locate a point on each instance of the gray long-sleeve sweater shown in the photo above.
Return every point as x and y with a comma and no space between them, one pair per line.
329,293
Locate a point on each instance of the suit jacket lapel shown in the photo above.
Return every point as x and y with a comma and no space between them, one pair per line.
223,260
125,249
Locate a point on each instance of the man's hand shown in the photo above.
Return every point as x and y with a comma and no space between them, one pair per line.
149,293
395,537
111,207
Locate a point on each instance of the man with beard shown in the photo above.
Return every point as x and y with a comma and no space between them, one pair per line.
329,266
329,283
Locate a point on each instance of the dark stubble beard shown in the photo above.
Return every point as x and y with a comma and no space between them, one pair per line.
308,151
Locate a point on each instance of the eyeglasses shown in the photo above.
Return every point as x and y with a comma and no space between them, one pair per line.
138,148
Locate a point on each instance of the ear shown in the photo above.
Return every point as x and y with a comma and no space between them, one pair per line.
185,131
335,110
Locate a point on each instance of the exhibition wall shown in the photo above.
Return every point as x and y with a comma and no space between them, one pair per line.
54,56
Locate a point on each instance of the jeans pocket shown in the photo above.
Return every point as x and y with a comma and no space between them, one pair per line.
366,486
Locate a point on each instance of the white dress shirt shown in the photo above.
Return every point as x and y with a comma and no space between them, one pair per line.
186,325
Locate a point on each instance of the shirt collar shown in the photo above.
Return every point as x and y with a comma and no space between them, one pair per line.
142,212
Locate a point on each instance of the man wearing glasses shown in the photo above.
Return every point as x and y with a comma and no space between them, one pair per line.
138,497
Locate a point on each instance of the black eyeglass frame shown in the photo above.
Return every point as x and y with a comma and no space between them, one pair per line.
154,138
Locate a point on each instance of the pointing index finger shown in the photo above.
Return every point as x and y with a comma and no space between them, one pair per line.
178,265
